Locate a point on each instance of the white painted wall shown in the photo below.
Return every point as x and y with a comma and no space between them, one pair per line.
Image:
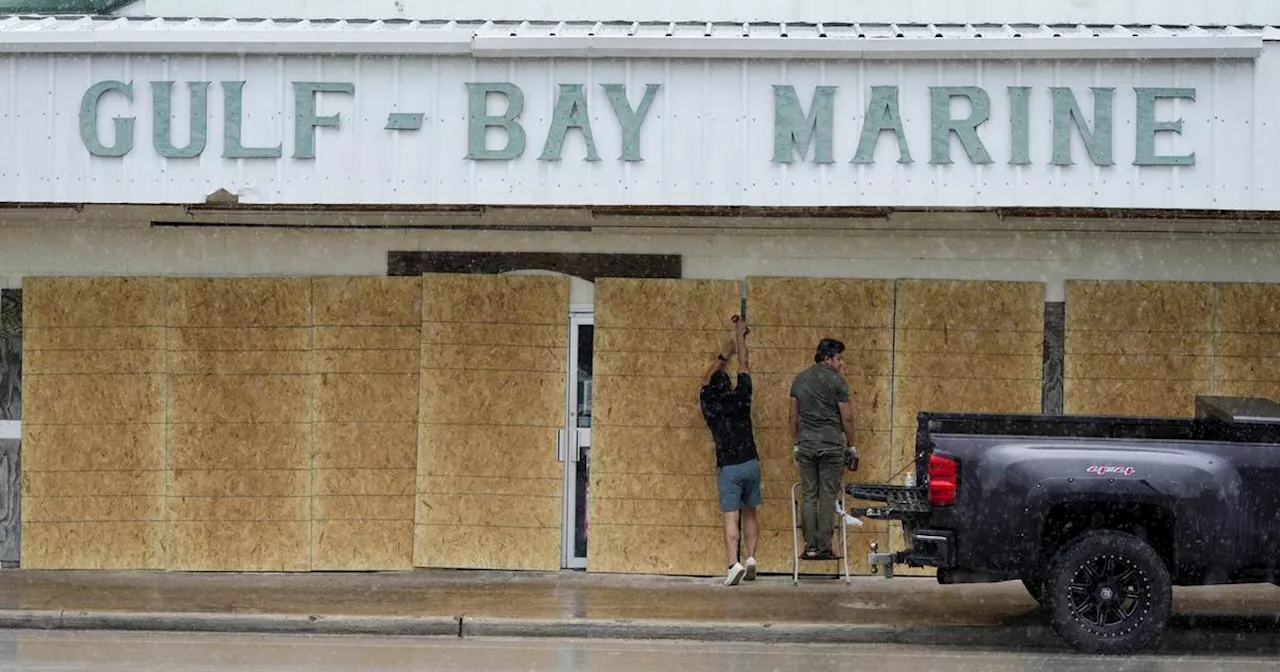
866,11
708,139
1046,257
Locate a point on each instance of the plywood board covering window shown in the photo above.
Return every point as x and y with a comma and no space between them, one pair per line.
365,386
1248,341
94,423
962,346
492,399
1144,348
789,316
653,498
240,442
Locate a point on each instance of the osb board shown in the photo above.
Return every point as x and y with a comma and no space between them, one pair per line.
789,316
239,546
949,305
98,339
491,398
487,546
964,346
95,407
366,397
1248,340
1139,306
366,391
1138,348
824,303
1152,397
661,305
362,545
120,398
367,301
240,398
253,477
240,433
239,302
653,339
501,452
92,302
634,547
93,545
963,395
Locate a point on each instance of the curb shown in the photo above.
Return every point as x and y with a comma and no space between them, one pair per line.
766,633
423,626
1178,640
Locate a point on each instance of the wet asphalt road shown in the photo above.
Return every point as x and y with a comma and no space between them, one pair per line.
45,651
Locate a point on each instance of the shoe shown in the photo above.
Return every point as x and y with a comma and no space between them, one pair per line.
735,574
751,570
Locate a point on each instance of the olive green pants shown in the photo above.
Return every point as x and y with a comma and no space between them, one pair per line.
820,474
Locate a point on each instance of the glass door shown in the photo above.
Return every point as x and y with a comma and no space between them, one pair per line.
575,440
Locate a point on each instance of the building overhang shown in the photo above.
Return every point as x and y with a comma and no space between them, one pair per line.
586,40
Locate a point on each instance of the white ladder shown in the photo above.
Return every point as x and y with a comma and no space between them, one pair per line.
843,521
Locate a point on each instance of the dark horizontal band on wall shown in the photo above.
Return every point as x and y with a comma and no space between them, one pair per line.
581,265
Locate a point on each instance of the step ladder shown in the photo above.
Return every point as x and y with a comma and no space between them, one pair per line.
842,522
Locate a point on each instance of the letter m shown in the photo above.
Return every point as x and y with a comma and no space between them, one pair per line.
794,130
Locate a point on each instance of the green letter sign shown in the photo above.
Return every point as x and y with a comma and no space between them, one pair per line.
162,120
1148,127
89,120
1066,112
965,129
793,130
479,121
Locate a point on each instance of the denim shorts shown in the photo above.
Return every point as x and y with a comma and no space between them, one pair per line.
739,486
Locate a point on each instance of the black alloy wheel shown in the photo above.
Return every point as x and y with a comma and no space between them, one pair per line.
1109,592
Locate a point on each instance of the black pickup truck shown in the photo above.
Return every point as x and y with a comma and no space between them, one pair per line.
1098,516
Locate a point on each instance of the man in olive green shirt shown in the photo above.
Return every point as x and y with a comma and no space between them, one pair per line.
822,432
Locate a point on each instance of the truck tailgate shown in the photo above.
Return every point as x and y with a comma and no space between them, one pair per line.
893,502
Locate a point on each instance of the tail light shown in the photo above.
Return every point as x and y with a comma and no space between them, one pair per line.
944,480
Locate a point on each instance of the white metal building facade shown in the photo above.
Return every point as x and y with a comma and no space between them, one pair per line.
640,114
1086,142
998,128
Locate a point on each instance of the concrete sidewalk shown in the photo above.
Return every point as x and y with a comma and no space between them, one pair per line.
576,604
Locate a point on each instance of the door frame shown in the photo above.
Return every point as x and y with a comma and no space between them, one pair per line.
572,440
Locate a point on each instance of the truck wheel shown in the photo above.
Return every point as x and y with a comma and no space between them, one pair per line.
1108,592
1036,589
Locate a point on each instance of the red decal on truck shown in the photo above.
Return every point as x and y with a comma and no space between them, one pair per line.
1108,471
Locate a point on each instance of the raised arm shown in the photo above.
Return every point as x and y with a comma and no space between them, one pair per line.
740,344
722,358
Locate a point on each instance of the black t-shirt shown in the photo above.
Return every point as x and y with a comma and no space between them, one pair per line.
728,414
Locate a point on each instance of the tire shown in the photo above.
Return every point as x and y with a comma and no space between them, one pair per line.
1036,589
1108,593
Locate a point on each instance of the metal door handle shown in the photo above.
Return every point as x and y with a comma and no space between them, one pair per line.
575,450
560,445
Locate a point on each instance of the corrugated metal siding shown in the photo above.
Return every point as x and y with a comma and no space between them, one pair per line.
708,139
869,11
247,28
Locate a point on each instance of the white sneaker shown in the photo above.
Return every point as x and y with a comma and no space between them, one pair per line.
735,574
751,570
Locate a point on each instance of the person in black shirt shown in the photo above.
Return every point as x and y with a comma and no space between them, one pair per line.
727,411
